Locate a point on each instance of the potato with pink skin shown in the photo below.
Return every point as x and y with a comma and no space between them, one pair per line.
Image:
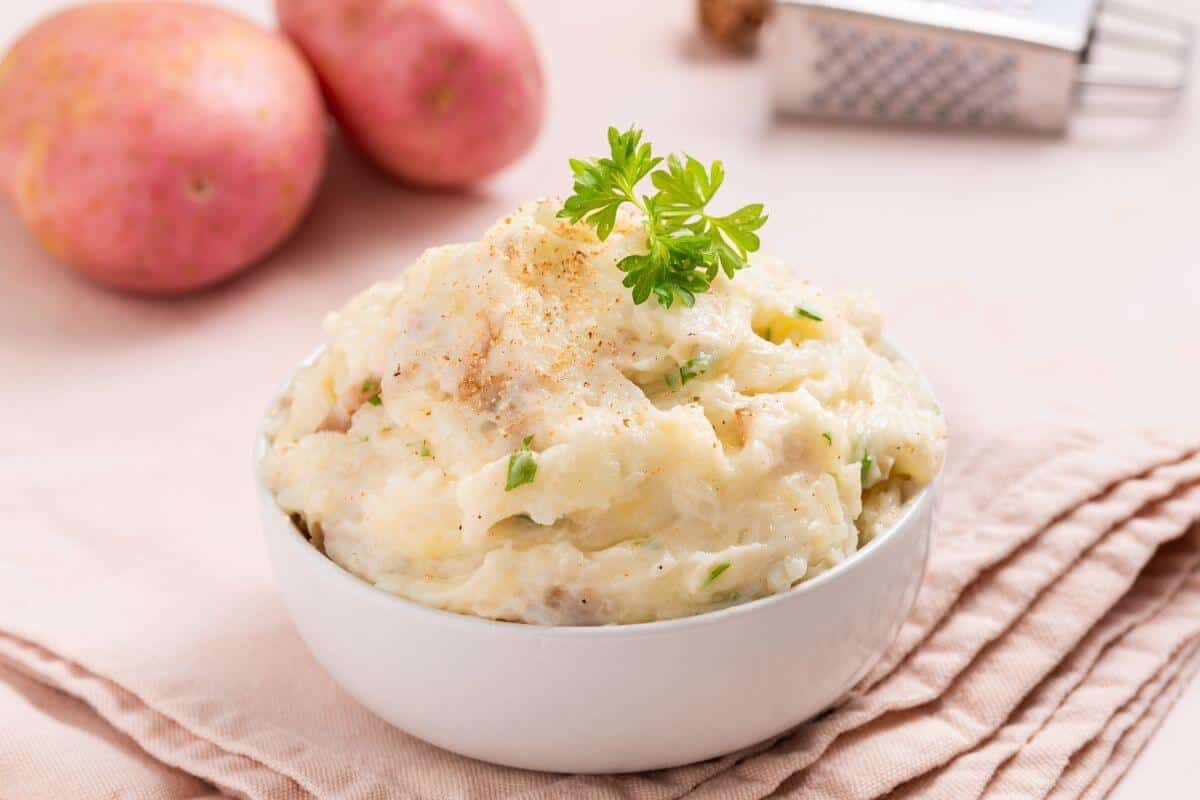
158,147
436,92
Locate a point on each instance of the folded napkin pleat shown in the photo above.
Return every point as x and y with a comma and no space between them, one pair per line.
160,737
1138,660
51,743
1008,498
1155,590
1058,621
1106,760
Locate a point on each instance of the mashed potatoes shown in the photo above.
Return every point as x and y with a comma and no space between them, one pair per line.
678,460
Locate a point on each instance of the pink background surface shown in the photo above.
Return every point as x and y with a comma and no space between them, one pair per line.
1024,251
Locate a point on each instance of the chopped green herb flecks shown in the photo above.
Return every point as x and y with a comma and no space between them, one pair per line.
867,461
801,311
673,380
370,387
522,466
422,448
694,367
716,572
828,438
686,247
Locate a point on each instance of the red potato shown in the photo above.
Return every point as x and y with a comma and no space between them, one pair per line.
436,92
158,147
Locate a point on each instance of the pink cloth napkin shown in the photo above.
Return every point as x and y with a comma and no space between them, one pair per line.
54,745
144,651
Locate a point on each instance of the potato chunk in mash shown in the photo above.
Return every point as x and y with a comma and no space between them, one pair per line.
501,432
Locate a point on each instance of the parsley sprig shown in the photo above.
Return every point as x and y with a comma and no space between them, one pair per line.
686,246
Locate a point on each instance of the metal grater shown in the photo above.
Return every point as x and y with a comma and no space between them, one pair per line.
995,63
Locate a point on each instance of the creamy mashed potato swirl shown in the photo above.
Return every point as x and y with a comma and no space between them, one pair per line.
687,458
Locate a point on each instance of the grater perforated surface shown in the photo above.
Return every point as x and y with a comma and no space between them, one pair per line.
994,63
862,70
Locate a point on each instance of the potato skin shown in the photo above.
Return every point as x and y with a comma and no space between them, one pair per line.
158,147
436,92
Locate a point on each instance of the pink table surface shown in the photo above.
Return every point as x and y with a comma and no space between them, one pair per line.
1030,250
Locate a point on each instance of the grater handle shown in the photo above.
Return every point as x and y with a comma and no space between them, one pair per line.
1159,35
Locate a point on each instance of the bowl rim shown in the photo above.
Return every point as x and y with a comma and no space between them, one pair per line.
372,593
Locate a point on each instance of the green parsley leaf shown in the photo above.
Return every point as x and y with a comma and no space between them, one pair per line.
602,185
801,311
422,448
867,461
828,438
375,400
522,466
685,246
694,367
716,572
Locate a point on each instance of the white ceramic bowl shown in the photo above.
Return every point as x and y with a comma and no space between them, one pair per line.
602,699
